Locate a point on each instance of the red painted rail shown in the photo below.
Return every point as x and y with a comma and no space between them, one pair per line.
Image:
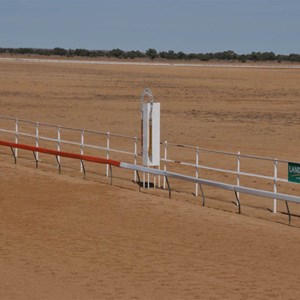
62,153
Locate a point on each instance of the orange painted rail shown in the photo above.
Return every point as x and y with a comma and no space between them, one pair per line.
62,153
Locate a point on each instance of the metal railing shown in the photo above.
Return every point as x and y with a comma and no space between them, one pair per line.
194,162
237,171
76,137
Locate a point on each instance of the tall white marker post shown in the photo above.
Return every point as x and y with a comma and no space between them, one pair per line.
150,131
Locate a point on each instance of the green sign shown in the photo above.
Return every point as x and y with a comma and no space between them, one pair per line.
294,172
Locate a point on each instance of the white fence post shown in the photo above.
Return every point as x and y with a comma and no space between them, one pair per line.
197,170
135,157
159,186
58,142
238,172
107,151
81,148
144,179
275,185
17,136
165,163
37,139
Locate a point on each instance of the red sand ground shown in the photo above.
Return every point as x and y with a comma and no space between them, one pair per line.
66,238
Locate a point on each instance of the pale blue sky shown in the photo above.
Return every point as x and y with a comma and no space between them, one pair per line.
180,25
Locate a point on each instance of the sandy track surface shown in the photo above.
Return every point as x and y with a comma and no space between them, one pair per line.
253,111
66,238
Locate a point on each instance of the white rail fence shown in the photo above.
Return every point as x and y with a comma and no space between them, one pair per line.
61,137
271,174
199,162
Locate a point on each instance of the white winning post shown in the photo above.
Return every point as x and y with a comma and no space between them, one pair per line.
151,134
150,131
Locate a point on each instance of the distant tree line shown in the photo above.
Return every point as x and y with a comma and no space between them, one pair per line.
152,54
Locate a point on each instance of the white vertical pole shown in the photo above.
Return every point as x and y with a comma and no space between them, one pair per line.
197,171
275,185
159,169
58,141
37,139
135,157
17,136
81,148
238,172
165,163
107,151
159,176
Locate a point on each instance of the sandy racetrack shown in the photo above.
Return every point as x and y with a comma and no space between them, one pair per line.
66,238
